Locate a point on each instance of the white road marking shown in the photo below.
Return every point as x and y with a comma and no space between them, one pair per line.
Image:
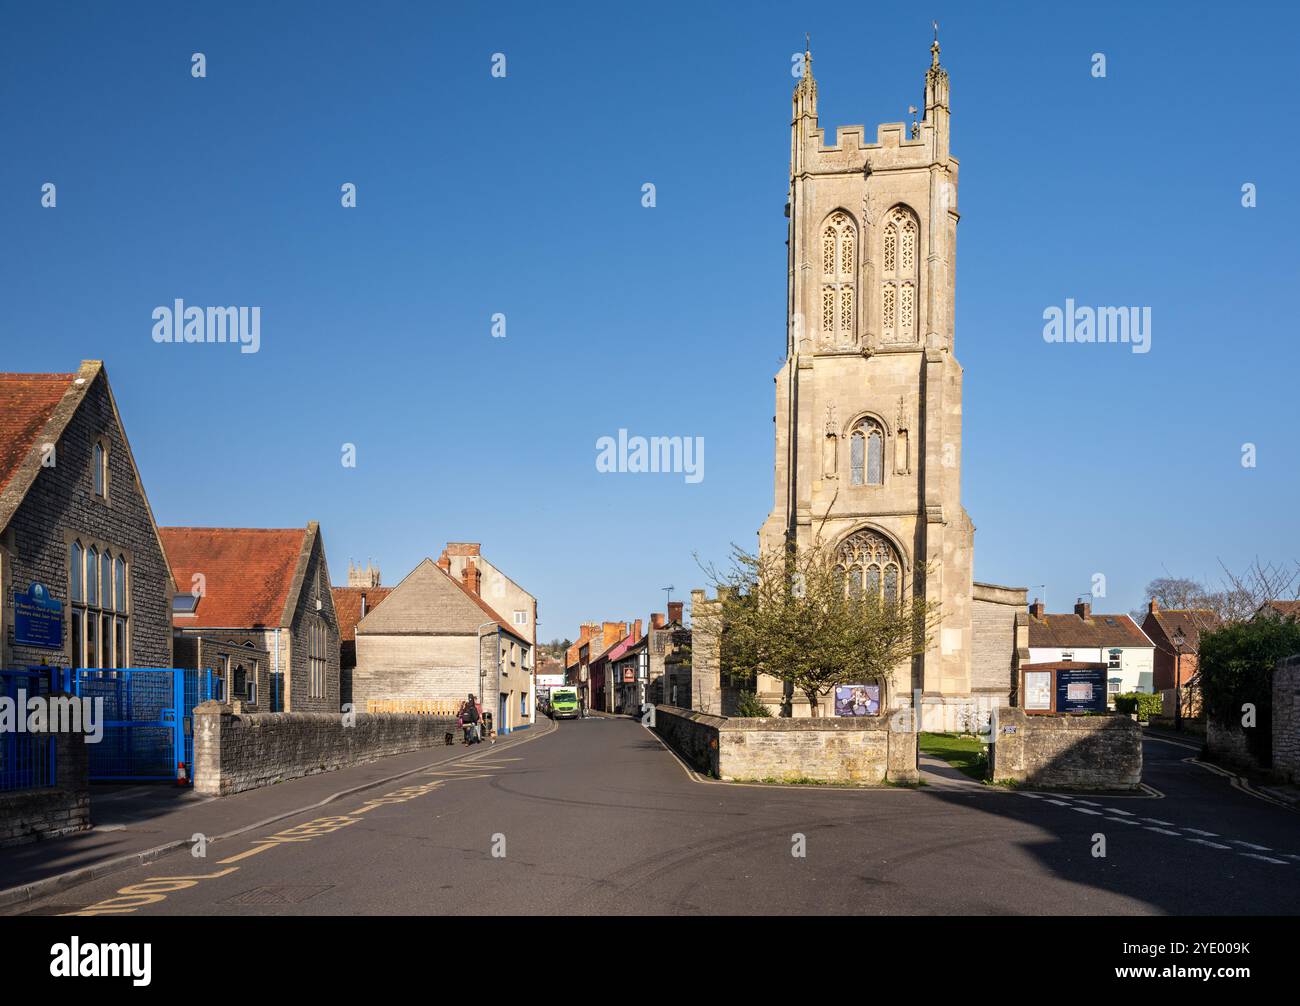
1212,845
1116,810
1164,831
1250,845
1266,859
1122,820
1207,834
1156,820
1090,803
1059,803
1085,810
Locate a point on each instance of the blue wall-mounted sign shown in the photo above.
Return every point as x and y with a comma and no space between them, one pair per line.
1081,691
38,618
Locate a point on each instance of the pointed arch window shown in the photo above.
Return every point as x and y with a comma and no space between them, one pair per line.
839,281
867,454
871,566
900,277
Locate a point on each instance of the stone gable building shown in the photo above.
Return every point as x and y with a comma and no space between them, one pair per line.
869,399
266,591
77,528
435,640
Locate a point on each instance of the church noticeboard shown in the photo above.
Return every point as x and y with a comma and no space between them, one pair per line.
1081,690
1038,691
38,618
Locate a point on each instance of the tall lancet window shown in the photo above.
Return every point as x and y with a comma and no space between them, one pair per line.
839,281
900,277
867,454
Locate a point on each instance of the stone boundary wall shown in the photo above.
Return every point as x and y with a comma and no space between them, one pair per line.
834,750
237,752
28,815
1067,752
1286,719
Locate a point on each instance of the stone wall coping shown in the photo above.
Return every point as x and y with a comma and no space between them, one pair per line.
1287,662
1072,721
779,723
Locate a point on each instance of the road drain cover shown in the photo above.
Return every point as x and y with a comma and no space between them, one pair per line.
279,894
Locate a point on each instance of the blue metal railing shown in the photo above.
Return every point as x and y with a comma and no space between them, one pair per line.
27,760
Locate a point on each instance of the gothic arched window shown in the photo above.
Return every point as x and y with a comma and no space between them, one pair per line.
900,277
867,454
839,281
871,565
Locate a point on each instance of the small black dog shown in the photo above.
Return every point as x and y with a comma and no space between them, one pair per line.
448,738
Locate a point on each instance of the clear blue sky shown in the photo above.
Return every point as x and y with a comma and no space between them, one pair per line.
523,196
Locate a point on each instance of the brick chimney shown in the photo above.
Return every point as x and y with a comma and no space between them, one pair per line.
461,548
1036,609
587,629
443,562
472,577
1083,609
675,611
636,630
1152,607
657,620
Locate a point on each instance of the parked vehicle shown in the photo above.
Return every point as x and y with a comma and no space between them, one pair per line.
563,703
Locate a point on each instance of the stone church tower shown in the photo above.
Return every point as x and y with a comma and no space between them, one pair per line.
868,402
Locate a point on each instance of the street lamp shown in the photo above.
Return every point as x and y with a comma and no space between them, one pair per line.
1179,641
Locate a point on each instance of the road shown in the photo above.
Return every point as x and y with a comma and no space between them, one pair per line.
597,817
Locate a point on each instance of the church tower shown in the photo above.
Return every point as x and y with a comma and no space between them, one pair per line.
868,401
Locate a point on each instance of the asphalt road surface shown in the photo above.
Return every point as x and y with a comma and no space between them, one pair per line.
597,817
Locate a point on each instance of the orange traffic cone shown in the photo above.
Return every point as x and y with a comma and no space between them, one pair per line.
182,777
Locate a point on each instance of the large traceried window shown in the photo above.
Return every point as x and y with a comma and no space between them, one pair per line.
839,281
867,454
870,563
900,277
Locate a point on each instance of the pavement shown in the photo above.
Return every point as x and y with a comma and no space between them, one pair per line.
596,816
138,824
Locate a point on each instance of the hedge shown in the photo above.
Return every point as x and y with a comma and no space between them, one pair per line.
1145,704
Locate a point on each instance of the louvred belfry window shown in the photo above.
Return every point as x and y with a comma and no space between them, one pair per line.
900,277
839,281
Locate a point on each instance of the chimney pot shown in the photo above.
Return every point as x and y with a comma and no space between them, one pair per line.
1083,609
1152,607
1036,609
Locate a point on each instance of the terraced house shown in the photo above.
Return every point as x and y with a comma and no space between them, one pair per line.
258,600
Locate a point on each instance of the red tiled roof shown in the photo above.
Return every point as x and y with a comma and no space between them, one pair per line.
1287,609
247,572
1191,620
1096,630
347,606
26,403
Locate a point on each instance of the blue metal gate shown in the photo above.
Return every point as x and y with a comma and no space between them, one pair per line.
147,719
27,760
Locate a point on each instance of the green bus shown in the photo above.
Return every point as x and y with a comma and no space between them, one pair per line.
564,703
